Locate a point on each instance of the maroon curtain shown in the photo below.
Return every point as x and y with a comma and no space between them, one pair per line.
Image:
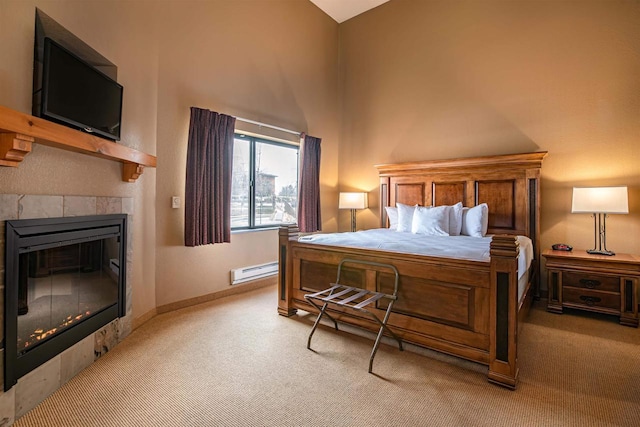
309,194
207,210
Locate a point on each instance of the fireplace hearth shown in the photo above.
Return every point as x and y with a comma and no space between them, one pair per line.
63,281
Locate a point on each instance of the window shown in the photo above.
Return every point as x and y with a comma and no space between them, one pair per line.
264,190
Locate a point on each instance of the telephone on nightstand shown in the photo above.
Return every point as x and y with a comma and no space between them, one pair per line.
561,247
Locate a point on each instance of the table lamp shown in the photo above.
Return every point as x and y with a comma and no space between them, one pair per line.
600,201
353,201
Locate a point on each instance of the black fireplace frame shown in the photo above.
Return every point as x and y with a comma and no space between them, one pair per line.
28,235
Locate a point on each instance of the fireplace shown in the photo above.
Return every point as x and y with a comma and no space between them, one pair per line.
65,278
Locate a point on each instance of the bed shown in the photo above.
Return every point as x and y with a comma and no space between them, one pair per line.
466,307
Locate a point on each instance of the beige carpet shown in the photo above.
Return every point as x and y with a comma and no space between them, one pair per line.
235,362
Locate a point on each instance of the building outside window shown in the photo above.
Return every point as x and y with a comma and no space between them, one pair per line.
264,190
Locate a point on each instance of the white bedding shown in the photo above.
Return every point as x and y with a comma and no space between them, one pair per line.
460,247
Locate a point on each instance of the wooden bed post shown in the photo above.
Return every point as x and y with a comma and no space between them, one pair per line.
384,201
286,233
503,357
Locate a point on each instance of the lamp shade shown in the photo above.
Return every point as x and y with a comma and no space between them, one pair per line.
353,201
610,200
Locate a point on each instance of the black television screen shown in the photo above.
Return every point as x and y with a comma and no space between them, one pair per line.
77,94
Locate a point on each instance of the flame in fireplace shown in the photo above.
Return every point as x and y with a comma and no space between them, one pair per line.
40,334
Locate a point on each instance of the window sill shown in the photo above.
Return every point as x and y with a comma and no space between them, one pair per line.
251,230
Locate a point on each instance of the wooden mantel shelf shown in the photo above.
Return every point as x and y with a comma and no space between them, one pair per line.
18,131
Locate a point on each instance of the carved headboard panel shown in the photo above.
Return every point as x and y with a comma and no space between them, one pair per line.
509,184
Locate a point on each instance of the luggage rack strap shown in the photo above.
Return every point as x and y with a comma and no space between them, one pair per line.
338,289
331,296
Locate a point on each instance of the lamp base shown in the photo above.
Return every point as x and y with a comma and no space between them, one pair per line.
353,220
600,252
600,236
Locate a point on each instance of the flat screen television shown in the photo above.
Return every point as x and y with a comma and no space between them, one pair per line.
76,94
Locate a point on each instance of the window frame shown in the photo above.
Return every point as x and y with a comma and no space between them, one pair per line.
253,140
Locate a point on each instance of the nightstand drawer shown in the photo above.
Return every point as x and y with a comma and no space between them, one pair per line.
591,281
588,298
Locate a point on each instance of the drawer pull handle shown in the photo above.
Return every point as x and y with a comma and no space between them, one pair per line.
590,301
589,283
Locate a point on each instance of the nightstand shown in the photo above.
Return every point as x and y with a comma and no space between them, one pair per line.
598,283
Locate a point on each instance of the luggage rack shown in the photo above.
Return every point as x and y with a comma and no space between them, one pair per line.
357,299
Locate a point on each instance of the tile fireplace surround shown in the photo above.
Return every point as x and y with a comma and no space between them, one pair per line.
38,384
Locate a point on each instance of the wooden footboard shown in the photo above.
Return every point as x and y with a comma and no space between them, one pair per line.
464,308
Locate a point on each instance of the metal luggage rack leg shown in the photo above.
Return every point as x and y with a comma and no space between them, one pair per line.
347,296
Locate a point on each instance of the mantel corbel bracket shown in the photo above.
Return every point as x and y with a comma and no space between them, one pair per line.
131,171
14,147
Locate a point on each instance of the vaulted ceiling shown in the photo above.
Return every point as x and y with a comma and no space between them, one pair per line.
341,10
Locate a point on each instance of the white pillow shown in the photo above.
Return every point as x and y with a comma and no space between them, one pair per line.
455,219
405,217
431,221
475,220
392,214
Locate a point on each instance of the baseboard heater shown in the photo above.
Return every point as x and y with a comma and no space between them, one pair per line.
241,275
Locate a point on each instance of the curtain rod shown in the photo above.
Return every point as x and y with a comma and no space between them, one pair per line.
253,122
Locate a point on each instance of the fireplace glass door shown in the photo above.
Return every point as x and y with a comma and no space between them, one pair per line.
60,286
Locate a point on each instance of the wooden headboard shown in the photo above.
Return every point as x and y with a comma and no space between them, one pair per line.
509,184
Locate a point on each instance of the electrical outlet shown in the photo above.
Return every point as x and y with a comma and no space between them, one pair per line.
175,202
